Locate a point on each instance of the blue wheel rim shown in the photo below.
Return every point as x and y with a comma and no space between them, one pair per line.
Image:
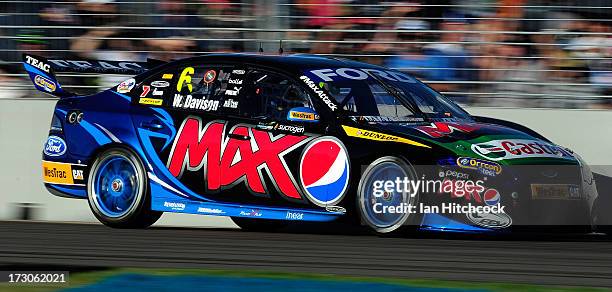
116,186
384,171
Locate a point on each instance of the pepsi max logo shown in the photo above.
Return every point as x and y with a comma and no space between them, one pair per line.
55,146
491,197
324,171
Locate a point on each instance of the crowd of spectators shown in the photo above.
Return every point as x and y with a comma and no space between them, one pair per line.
525,53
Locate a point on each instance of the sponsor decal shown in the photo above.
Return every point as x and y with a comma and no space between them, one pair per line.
167,76
319,92
55,146
45,83
441,129
454,174
555,191
230,103
235,81
38,64
209,76
210,210
77,174
99,66
238,72
335,209
490,220
289,129
226,162
145,90
60,173
302,116
63,173
185,78
294,216
377,119
189,102
175,206
233,92
252,213
126,86
324,171
151,101
485,167
329,75
377,136
157,92
491,197
518,148
266,126
160,84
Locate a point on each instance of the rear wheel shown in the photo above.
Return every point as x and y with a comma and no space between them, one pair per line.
118,192
250,224
373,202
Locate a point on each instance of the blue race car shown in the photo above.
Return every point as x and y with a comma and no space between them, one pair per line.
267,140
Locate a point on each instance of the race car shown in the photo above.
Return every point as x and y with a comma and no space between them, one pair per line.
273,140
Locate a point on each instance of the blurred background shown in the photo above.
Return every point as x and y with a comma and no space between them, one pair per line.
510,53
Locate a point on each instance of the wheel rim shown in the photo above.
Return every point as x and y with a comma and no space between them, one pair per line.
386,221
116,186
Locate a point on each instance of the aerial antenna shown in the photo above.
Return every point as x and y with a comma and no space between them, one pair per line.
260,48
280,47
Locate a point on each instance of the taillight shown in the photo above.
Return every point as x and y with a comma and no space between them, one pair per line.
56,124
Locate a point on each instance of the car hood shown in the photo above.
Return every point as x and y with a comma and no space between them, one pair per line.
483,140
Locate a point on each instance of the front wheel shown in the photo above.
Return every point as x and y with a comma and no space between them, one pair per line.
382,210
117,190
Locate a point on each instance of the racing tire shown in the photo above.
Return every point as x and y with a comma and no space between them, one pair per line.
117,190
259,225
384,223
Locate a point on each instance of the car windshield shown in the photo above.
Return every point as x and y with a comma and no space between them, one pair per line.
384,95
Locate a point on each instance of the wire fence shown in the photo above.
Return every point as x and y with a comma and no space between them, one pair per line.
522,53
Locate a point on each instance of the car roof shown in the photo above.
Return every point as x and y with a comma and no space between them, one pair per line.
286,62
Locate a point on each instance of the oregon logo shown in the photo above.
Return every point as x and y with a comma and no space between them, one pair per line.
45,83
185,78
483,166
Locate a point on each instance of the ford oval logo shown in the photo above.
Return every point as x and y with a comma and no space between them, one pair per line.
55,146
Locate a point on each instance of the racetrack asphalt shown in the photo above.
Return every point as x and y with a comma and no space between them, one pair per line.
548,260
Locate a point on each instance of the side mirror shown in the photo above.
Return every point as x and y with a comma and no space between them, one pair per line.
303,114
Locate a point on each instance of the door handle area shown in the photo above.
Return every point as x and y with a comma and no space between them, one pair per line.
239,137
152,125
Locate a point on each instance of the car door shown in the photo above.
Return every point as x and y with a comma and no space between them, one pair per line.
294,155
181,125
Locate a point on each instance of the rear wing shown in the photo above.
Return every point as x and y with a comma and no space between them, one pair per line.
42,71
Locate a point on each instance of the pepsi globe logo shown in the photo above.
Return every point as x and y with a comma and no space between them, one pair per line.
491,197
324,171
55,146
